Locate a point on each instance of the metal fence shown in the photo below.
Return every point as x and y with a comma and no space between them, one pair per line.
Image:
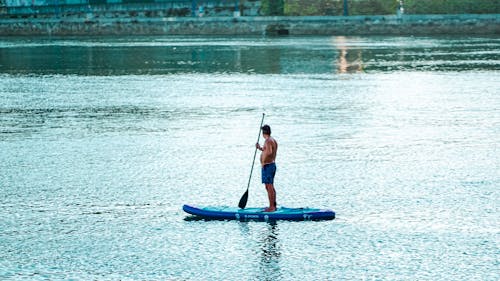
147,9
86,7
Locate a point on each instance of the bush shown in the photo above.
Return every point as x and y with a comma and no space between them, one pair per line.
452,6
378,7
313,7
272,7
372,7
336,7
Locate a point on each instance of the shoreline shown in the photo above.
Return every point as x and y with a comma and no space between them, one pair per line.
465,24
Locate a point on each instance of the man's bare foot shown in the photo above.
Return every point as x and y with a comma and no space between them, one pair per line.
269,209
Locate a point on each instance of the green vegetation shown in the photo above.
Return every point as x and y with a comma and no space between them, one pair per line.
313,7
272,7
452,6
377,7
373,7
336,7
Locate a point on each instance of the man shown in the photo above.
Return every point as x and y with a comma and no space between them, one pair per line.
267,158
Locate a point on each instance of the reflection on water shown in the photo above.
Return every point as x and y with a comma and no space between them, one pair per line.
168,55
267,248
269,262
348,61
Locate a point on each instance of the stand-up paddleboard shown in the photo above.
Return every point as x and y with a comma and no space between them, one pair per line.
258,214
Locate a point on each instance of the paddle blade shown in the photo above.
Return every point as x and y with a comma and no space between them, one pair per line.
243,200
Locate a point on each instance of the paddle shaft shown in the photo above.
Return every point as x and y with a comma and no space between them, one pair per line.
243,201
255,153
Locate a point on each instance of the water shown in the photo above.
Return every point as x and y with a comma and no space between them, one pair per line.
103,139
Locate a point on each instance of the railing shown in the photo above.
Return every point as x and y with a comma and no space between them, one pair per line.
84,8
167,8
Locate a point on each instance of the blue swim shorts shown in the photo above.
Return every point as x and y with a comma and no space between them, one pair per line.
268,172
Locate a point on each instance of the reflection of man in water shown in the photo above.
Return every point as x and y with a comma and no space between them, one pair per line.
267,159
269,249
269,263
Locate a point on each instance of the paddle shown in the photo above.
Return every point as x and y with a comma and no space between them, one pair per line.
244,198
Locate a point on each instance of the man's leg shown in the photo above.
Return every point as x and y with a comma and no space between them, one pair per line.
271,194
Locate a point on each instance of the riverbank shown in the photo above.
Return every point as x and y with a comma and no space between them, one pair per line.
314,25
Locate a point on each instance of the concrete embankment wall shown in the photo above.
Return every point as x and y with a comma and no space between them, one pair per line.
334,25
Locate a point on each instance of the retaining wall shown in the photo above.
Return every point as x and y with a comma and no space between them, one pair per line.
334,25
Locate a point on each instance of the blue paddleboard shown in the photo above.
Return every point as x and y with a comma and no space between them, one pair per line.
258,214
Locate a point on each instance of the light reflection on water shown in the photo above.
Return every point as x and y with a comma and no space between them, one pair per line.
170,55
96,159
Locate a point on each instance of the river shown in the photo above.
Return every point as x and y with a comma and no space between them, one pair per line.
102,140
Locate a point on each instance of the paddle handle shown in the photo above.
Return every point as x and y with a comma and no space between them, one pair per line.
255,153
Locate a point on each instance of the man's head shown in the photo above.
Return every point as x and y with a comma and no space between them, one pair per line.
266,130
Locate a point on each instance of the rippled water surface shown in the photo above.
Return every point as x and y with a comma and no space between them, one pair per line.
102,140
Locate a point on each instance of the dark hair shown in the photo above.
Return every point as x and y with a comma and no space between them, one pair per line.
266,129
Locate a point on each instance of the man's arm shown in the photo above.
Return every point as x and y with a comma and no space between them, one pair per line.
262,148
267,151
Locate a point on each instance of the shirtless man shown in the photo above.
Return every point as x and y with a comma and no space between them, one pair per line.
267,158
